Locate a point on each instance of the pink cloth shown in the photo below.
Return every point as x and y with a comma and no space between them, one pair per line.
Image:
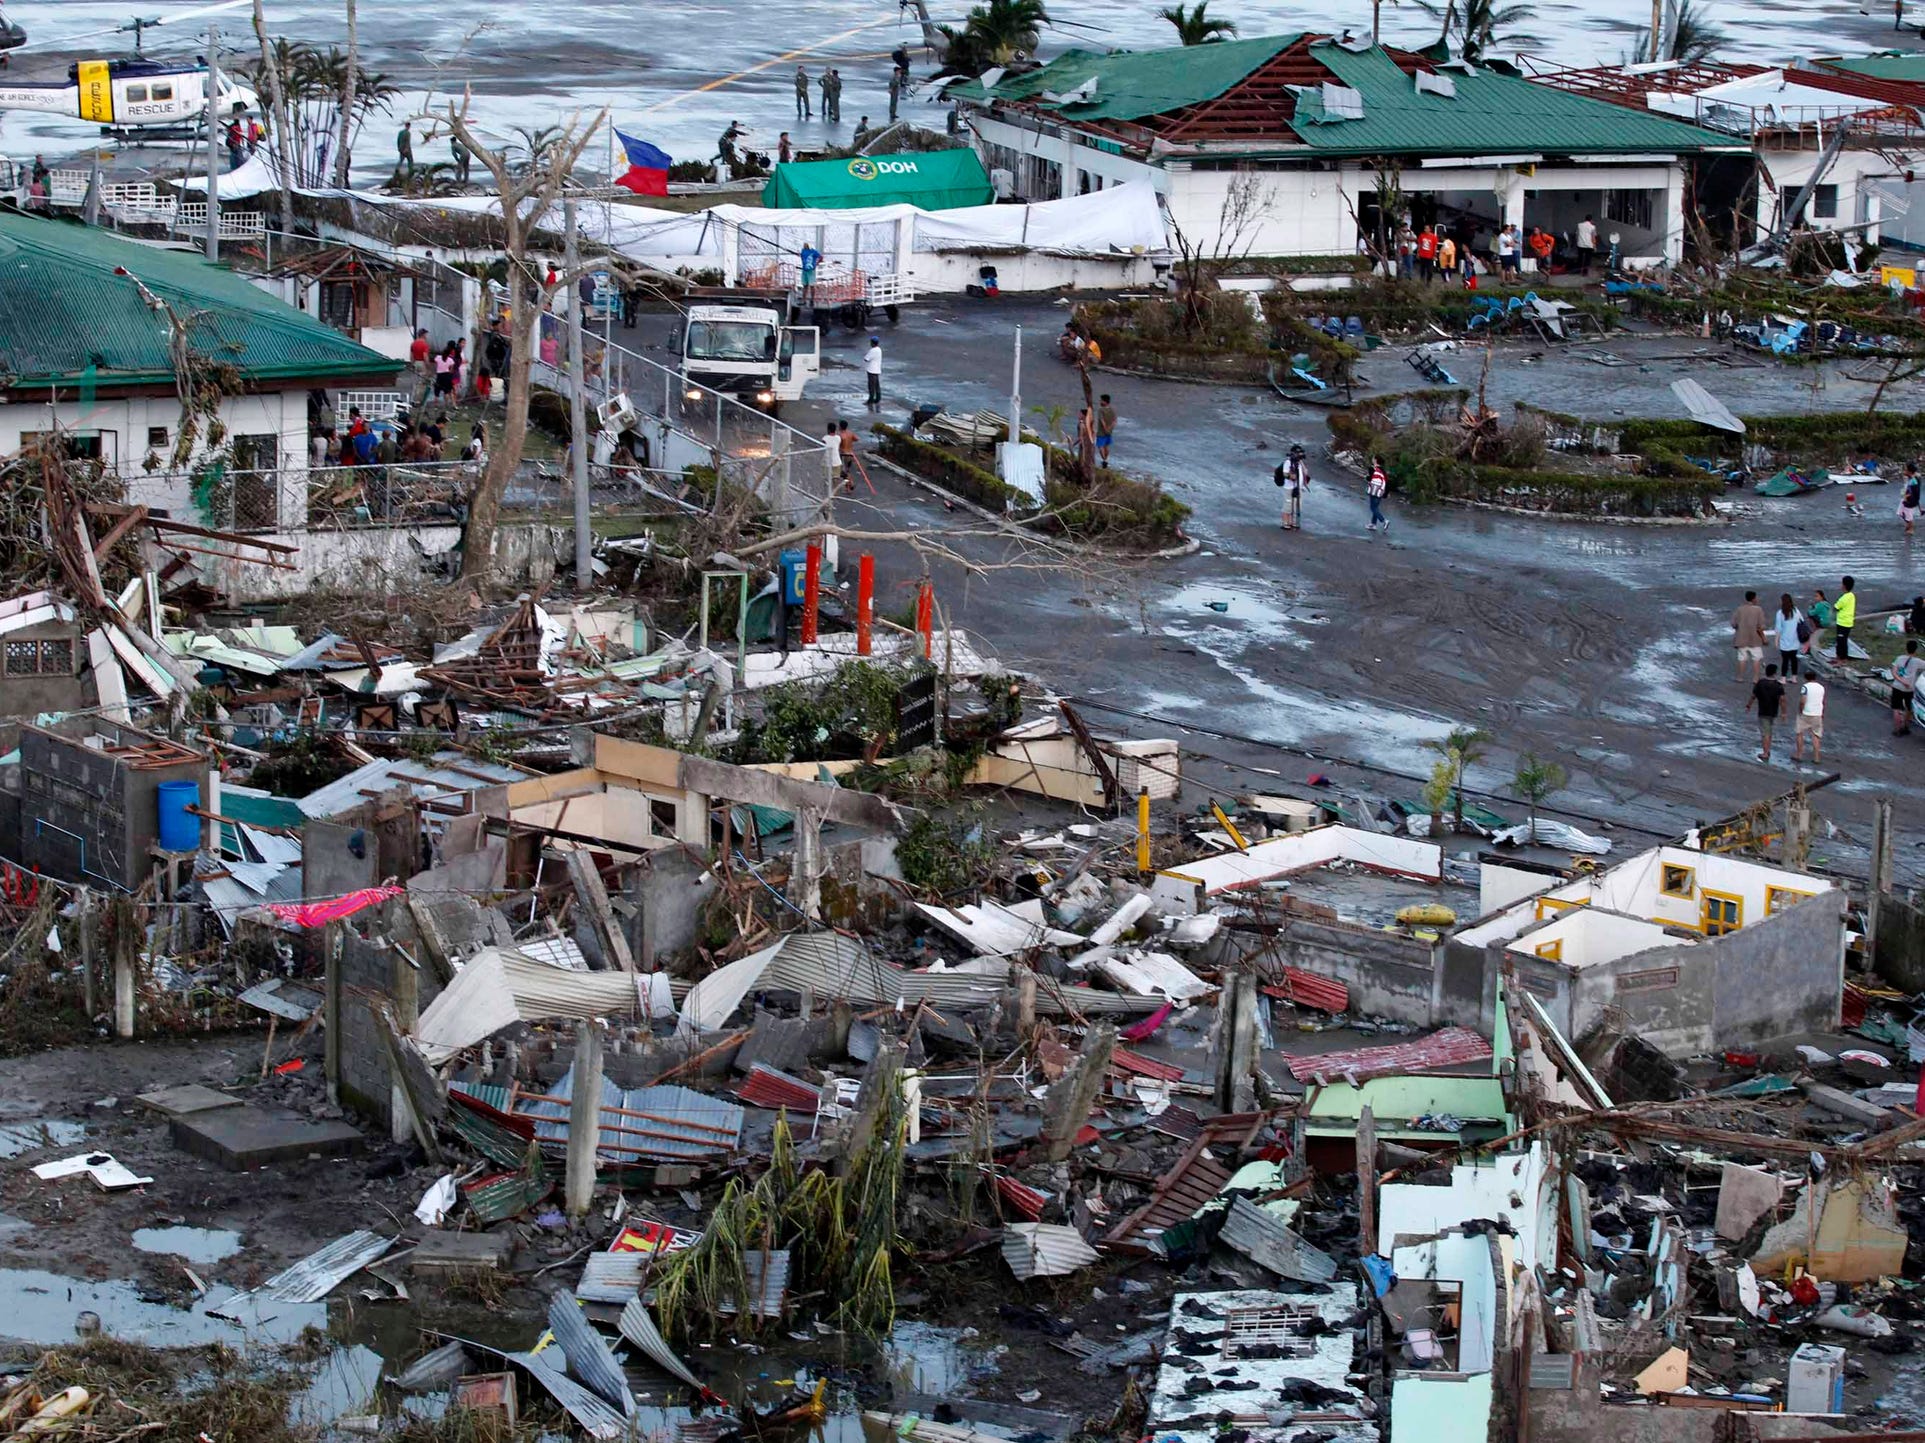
318,914
1138,1031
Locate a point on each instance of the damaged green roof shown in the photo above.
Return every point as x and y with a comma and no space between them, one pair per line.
1130,84
1490,113
1888,65
63,309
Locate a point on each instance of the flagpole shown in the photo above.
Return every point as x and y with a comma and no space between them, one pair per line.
608,254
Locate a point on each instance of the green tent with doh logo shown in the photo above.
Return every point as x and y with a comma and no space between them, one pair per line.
933,180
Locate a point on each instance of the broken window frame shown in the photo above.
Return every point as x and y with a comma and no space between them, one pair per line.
1269,1327
1548,907
1778,898
1709,899
41,656
1667,870
1552,951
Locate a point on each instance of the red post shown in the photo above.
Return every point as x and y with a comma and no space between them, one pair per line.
811,592
926,616
865,604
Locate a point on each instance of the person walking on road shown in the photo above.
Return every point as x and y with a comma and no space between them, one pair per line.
802,110
1767,694
1908,501
1811,721
1748,635
404,149
895,92
1905,674
1293,476
846,446
1105,426
872,367
832,456
1790,631
1376,489
1844,616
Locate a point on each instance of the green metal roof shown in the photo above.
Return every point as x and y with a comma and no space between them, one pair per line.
63,309
1491,112
1131,84
1890,65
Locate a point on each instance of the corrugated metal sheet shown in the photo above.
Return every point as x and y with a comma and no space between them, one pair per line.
1045,1250
768,1279
504,1195
444,773
1196,1178
596,1418
282,998
1135,1063
590,1360
613,1277
1305,989
1266,1241
487,1134
1024,1199
498,987
1133,84
1553,1370
79,316
676,1123
1453,1046
772,1088
320,1273
638,1326
834,966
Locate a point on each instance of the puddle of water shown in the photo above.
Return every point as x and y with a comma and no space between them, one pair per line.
19,1137
936,1361
38,1307
197,1245
343,1386
13,1227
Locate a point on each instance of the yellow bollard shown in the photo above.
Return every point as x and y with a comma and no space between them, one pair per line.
1143,831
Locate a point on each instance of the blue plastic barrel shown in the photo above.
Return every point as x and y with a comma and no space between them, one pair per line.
180,829
795,572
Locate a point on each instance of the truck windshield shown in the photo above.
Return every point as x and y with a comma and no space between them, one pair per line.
730,341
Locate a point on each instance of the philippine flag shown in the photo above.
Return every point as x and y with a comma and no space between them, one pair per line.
647,167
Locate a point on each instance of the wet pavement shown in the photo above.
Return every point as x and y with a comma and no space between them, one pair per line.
1603,646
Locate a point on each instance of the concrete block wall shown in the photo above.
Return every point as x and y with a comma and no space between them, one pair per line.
372,966
1389,975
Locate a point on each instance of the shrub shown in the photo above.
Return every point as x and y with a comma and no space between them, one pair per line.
838,718
945,854
948,470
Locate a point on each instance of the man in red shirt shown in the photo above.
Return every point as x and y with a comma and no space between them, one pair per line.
1427,253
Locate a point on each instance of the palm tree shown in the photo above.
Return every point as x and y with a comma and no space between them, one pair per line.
1535,781
992,33
350,74
1463,746
1194,25
1481,25
1689,37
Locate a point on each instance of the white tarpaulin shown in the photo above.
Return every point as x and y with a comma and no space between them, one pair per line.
1122,218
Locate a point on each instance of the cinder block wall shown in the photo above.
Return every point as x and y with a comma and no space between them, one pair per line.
370,967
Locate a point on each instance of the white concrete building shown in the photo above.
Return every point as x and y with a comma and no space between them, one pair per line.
92,327
1279,146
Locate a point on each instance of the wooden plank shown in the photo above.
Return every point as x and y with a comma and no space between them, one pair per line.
1367,1179
739,784
1268,1243
593,897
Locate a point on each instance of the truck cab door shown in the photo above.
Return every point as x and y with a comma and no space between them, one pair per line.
799,360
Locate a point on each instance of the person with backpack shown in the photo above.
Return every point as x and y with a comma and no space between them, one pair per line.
1293,476
1376,489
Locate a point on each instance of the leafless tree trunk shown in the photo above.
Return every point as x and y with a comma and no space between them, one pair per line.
528,198
348,84
277,109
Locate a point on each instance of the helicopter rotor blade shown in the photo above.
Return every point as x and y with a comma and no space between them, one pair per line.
194,14
66,42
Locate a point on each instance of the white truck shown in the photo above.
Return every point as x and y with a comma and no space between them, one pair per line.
739,342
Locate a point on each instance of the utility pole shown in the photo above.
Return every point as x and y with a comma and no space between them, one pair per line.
213,144
1657,27
577,423
1016,392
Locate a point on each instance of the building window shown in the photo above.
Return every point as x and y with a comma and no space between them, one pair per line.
662,817
1657,979
1677,881
1721,912
1551,951
1779,898
40,658
1628,207
1824,202
1270,1332
156,437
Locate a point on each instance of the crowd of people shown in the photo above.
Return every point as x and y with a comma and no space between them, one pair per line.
1793,634
1450,253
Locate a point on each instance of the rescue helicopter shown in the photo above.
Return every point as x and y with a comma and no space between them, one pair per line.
132,93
